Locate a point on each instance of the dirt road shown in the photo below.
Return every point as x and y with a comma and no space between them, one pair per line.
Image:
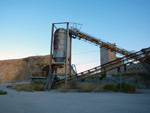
71,102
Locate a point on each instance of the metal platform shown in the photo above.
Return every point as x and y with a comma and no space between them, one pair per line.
37,77
58,63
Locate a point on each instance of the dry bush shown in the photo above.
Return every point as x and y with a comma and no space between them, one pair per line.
87,87
28,87
24,87
100,86
39,87
64,87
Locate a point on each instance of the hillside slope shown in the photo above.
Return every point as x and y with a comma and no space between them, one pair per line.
20,69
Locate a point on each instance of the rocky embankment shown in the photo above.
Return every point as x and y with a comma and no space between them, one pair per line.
136,80
20,69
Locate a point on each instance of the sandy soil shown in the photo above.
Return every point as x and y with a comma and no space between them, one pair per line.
73,102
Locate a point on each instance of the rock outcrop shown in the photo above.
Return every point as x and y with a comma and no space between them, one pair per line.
20,69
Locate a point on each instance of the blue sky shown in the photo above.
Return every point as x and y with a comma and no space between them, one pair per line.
25,26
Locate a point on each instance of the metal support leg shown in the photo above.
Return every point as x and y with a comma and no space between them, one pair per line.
49,78
100,56
70,57
120,78
50,66
66,65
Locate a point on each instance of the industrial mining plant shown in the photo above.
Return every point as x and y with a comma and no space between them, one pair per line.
60,56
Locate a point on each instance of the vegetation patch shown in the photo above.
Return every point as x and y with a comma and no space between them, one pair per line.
86,87
110,87
28,87
103,75
127,88
39,81
74,86
3,92
64,87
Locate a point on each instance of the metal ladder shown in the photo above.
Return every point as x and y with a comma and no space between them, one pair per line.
49,82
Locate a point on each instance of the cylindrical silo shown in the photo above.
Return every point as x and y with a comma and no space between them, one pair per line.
59,49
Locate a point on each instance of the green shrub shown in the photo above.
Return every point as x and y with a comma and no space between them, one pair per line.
110,87
127,88
82,80
38,82
74,86
103,75
3,92
113,75
39,87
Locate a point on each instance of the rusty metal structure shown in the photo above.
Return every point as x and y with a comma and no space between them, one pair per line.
80,35
137,56
60,51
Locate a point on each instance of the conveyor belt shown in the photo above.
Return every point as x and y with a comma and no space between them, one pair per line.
138,56
128,58
80,35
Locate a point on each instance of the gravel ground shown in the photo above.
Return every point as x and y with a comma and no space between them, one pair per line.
73,102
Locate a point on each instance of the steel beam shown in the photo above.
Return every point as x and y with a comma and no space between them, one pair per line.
67,37
70,56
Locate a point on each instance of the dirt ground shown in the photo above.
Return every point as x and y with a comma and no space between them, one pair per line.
73,102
